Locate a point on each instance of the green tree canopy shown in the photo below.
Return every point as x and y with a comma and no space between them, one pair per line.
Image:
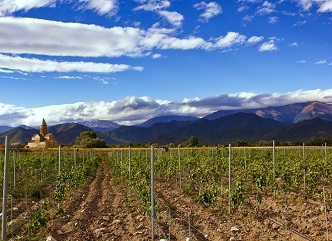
89,139
191,142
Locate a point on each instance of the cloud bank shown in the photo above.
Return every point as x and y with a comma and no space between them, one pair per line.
18,36
134,110
101,7
34,65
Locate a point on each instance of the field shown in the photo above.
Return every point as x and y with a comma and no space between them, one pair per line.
219,193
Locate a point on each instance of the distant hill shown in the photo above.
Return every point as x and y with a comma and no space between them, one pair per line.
28,127
296,122
65,134
100,125
289,113
138,134
239,126
303,130
5,128
18,135
167,119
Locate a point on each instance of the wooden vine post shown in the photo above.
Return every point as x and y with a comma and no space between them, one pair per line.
229,178
152,193
5,191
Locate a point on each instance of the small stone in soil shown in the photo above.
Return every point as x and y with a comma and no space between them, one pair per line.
234,229
116,221
50,238
275,226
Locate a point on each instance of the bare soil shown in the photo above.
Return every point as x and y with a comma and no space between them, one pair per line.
107,209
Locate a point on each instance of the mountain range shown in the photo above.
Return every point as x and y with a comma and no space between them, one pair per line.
289,113
100,125
296,122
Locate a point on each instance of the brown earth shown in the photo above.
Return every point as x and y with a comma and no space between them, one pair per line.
107,209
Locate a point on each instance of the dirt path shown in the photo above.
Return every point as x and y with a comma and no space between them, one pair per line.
107,212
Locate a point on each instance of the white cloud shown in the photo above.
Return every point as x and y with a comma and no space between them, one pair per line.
14,78
159,6
273,20
18,36
184,44
68,77
250,1
270,7
267,4
242,8
268,46
7,7
301,61
295,44
322,61
211,9
323,5
174,18
102,7
248,18
37,65
326,6
298,24
305,4
153,5
255,39
267,8
156,56
134,110
230,39
104,81
6,71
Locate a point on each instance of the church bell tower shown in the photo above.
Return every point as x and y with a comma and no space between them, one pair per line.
43,128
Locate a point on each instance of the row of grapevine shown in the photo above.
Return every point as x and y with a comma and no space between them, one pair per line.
37,184
221,178
224,178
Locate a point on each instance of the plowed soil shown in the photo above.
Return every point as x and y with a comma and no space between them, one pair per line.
107,209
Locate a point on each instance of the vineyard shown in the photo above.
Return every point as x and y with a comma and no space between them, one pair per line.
215,193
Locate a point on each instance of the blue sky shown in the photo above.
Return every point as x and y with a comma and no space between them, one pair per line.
128,61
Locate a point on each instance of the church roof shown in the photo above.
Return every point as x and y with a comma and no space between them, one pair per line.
44,122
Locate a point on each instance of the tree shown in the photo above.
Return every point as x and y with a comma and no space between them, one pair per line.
191,142
241,143
128,144
318,141
89,139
